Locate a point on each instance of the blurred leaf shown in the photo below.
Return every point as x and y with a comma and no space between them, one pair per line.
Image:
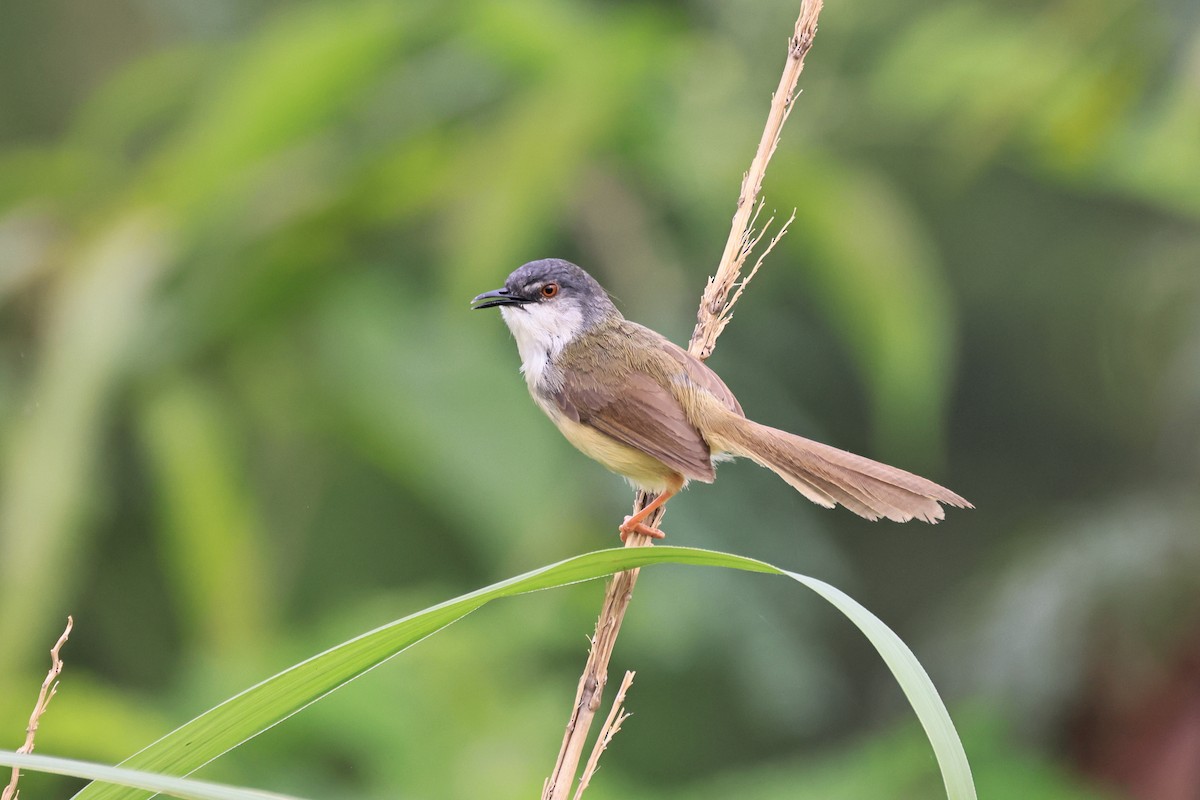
430,432
212,537
83,705
120,118
1082,84
995,66
93,314
879,283
116,776
1126,566
1157,156
284,85
26,235
262,706
510,183
895,766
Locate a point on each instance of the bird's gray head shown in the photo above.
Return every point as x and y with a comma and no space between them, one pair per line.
550,294
547,304
547,283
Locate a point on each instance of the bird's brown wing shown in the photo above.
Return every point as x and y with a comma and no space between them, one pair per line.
645,416
701,375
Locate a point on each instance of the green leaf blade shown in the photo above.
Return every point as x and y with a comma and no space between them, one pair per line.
914,681
266,704
127,778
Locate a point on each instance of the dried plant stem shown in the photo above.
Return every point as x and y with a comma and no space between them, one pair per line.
595,672
715,305
49,688
616,717
714,313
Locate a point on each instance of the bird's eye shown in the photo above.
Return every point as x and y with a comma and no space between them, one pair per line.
549,290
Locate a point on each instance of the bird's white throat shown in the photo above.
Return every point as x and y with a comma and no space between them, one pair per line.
542,330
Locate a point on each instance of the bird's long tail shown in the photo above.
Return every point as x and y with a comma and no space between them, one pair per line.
828,476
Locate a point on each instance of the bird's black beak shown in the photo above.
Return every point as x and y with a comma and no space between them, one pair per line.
497,297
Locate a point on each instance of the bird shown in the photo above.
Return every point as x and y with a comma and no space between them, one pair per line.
648,410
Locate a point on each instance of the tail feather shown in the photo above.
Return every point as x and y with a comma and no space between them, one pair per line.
841,496
827,475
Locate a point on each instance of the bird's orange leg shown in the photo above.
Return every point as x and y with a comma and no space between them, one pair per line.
635,523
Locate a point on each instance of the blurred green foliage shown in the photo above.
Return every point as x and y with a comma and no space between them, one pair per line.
245,414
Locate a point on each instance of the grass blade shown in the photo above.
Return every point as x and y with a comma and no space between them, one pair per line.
182,788
915,683
260,707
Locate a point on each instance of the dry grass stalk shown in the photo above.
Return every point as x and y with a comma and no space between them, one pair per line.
715,310
49,688
715,305
608,730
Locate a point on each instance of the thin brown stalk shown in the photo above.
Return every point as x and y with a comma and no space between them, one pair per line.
712,316
49,688
616,717
715,303
589,694
727,311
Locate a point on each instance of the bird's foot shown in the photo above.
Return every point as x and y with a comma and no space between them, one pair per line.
631,526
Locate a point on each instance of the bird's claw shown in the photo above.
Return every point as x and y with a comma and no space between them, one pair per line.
628,529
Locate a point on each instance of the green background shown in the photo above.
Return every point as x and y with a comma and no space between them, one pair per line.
245,412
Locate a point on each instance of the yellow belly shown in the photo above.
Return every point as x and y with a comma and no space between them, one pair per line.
645,472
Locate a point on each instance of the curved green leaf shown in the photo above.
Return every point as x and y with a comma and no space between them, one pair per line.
175,787
258,708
